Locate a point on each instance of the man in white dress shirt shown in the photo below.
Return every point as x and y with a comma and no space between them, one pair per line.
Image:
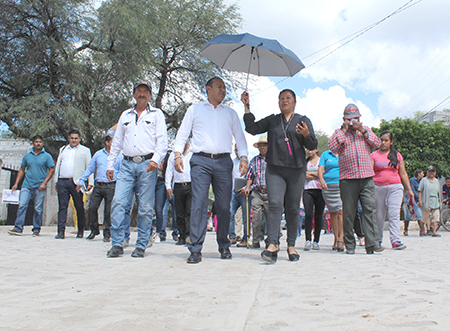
142,136
72,162
182,191
213,126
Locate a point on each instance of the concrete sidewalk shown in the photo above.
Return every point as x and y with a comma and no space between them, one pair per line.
48,284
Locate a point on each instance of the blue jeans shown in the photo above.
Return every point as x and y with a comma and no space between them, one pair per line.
133,177
238,200
25,195
302,219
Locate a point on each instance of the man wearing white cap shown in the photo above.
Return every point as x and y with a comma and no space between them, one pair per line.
353,142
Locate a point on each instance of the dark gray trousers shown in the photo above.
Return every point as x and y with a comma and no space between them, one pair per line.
364,190
285,188
204,172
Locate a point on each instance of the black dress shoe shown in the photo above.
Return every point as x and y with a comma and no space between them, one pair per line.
138,252
106,239
92,235
293,257
269,256
180,242
60,236
80,234
115,251
225,253
195,257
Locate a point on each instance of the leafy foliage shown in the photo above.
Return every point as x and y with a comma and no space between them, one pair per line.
64,64
421,144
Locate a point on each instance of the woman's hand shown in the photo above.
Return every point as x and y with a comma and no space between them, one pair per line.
411,193
246,101
302,129
324,185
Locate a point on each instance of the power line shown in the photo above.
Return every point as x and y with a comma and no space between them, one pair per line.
362,31
353,36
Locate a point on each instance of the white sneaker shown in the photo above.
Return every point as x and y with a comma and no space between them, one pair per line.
307,246
157,239
151,240
315,246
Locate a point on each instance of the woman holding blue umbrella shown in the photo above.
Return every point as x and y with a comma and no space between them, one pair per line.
288,135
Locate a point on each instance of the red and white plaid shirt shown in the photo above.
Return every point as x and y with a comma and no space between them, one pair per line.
354,153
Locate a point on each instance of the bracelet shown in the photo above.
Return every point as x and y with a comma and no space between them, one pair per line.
365,132
243,158
177,157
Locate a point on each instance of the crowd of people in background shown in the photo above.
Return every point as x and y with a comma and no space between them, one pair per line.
359,188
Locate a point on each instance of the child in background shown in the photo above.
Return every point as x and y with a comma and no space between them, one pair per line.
446,191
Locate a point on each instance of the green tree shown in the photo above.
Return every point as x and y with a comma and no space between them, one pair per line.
162,39
322,141
48,84
66,65
420,144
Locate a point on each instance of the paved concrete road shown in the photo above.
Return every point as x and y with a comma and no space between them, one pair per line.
48,284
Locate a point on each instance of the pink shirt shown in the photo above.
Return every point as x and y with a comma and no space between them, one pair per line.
384,173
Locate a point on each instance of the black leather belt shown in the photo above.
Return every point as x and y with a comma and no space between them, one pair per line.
104,183
213,156
138,159
182,184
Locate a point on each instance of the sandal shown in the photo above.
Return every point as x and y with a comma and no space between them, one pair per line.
405,233
335,246
340,249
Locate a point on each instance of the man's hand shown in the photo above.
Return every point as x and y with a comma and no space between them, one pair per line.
302,129
110,175
152,166
79,186
42,187
14,187
359,126
247,191
420,204
242,191
345,125
89,188
179,164
169,193
243,167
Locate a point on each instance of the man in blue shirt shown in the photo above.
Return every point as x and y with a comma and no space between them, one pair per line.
103,189
38,167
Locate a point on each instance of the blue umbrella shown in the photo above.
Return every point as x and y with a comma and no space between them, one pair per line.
251,54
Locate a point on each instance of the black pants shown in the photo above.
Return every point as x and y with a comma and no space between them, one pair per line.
183,200
101,191
314,205
67,188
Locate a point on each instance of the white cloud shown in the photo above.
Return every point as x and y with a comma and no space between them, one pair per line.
404,61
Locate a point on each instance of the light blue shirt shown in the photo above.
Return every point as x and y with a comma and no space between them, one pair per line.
98,164
331,164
